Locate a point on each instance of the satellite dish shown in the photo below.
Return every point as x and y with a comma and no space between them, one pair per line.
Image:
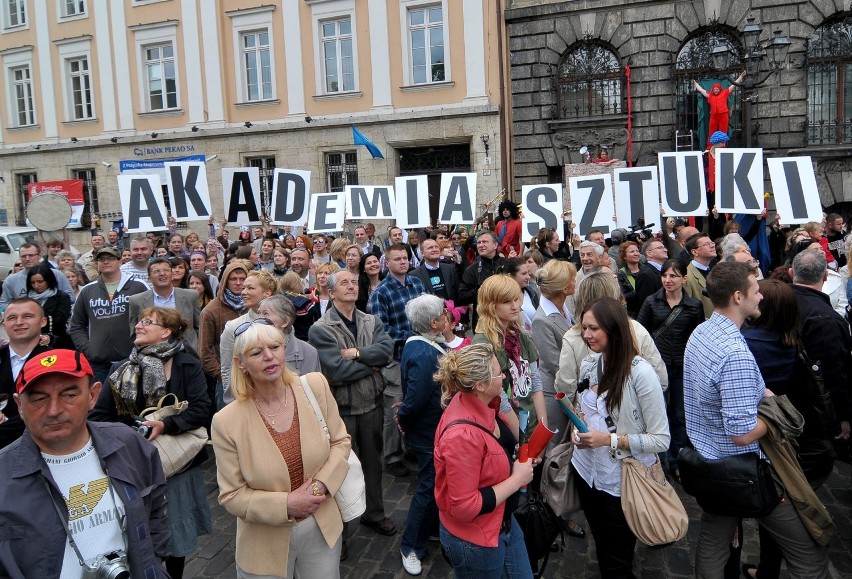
49,211
584,149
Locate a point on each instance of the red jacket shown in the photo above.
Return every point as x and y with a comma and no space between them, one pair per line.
466,460
512,237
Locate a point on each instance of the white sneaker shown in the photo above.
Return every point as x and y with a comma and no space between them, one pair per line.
411,563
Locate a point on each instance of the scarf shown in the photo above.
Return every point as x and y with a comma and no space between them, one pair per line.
147,362
512,343
43,296
232,300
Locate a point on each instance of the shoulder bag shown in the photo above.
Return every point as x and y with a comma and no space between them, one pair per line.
651,506
558,488
176,450
351,497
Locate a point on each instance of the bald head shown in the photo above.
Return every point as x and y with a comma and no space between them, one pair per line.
685,233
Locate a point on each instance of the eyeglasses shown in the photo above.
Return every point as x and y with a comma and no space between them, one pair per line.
711,245
246,325
148,322
501,375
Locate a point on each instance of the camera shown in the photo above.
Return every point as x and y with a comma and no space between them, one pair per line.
110,566
640,232
142,429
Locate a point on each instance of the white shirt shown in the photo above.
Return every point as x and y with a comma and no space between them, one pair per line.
165,302
18,361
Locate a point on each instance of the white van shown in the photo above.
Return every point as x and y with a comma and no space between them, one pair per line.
11,240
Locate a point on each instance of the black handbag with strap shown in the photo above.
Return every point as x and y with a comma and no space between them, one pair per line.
735,486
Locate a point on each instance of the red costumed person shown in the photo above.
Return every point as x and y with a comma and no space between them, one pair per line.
717,100
508,229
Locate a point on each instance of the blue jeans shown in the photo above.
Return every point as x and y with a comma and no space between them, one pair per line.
422,520
508,559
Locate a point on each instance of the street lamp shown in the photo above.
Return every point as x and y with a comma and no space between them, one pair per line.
775,51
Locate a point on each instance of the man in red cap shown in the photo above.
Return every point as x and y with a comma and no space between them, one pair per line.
99,484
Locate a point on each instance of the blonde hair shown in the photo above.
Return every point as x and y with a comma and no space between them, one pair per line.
497,289
328,267
265,279
554,277
461,370
593,286
242,385
291,282
337,247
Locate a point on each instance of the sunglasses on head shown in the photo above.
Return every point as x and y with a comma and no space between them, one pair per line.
246,325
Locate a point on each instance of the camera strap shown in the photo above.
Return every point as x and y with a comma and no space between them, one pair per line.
62,517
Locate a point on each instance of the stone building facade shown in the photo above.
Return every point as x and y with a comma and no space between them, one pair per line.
569,63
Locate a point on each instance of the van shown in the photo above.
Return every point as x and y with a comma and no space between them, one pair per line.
11,240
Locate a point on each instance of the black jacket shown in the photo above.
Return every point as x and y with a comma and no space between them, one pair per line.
477,272
672,341
825,336
448,272
13,427
647,282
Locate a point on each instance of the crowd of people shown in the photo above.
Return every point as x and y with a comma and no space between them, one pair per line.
444,347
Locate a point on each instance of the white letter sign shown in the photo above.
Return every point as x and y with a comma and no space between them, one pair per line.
412,201
795,188
290,191
142,203
241,193
189,196
542,208
637,196
326,213
739,181
682,184
591,203
369,202
458,198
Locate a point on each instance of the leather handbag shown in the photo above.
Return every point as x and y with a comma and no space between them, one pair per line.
736,486
176,450
651,506
351,497
557,487
540,526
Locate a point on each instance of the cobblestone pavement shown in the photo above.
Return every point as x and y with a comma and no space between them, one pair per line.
375,556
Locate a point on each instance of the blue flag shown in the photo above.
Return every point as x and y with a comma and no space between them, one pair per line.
359,139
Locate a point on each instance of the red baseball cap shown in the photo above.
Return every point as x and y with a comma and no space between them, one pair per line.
67,362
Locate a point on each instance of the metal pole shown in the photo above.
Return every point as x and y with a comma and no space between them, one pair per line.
748,110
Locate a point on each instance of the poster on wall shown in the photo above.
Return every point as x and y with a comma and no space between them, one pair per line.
71,189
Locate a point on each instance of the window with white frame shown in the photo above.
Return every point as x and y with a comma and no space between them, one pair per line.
22,95
14,13
160,76
257,65
337,56
73,8
426,44
80,88
341,169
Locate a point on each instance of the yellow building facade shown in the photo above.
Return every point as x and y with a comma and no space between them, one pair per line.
88,84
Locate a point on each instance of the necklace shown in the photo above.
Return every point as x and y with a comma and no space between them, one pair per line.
272,417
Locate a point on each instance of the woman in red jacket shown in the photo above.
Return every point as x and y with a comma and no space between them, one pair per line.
476,482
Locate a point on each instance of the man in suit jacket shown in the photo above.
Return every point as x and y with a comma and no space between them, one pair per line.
164,295
438,278
23,323
703,251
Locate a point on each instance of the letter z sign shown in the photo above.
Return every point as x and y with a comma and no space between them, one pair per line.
591,203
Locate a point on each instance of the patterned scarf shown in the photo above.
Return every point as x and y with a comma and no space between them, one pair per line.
512,343
146,362
233,301
43,296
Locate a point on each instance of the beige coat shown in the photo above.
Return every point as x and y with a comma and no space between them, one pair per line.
254,482
695,285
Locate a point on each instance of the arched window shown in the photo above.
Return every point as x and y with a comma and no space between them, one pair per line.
589,81
695,63
829,69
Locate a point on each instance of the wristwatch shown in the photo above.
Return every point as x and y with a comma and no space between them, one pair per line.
357,353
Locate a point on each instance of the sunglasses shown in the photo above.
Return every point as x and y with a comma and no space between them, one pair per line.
246,325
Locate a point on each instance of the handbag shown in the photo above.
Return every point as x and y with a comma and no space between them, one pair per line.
736,486
540,526
176,450
651,506
813,400
351,497
557,487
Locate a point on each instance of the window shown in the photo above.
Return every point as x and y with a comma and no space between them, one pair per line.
73,8
341,169
80,87
90,194
337,56
692,115
257,66
15,13
22,96
160,76
589,81
22,180
829,73
266,165
426,44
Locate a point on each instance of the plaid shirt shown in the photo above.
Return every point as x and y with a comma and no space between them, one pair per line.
722,388
388,304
